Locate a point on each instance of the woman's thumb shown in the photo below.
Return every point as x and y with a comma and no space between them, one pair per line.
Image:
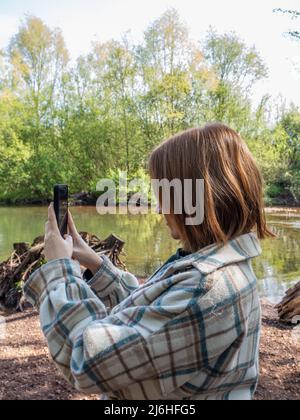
69,239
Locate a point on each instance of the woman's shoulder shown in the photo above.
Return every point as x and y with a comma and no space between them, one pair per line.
234,283
224,271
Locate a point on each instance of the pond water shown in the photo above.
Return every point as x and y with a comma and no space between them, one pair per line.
148,243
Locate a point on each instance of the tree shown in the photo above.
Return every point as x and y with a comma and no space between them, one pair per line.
173,73
14,154
288,136
234,62
38,57
116,75
77,123
287,133
237,68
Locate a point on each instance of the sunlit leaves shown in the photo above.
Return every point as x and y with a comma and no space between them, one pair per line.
78,122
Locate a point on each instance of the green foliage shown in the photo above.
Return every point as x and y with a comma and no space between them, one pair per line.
287,137
77,123
14,153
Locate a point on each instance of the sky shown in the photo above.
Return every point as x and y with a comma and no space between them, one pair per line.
85,21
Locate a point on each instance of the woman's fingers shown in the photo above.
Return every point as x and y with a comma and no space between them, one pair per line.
52,222
46,230
71,225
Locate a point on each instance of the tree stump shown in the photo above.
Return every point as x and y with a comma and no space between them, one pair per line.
289,308
25,259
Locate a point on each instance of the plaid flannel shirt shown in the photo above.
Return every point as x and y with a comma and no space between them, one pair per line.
190,332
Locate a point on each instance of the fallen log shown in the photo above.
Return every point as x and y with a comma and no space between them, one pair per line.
26,258
289,308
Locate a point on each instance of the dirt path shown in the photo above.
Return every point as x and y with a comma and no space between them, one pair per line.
27,373
25,369
279,359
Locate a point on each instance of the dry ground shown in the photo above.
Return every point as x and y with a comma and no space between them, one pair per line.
27,373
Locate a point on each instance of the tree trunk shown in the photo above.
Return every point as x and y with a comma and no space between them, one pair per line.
289,308
25,259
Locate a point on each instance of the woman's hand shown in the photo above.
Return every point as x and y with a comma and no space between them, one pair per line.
56,247
82,252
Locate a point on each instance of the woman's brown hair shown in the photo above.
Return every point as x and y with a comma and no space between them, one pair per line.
233,185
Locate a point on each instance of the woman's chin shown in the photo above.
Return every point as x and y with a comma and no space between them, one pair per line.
173,233
175,236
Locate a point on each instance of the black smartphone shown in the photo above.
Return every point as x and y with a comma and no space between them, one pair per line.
61,205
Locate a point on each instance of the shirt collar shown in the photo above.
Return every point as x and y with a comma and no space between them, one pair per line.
214,257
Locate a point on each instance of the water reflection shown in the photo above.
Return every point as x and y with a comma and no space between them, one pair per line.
148,243
279,266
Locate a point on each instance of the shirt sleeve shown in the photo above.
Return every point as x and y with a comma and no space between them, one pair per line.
111,284
163,344
95,352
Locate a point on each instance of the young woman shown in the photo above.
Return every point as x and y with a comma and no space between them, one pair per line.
192,330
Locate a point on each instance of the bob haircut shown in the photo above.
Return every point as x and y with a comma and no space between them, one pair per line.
233,185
